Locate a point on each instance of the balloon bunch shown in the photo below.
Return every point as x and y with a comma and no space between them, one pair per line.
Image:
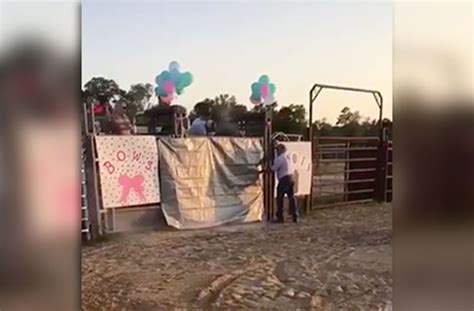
263,92
172,81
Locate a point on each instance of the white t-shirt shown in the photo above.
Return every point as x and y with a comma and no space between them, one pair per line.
198,128
281,166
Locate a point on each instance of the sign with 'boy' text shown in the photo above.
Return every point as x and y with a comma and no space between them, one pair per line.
298,154
128,167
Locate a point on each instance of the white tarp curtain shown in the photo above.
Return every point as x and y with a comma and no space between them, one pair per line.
210,181
128,167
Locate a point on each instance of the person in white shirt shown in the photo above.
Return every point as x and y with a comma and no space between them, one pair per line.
198,127
286,184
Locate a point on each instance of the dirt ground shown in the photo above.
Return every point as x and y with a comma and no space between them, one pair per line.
334,259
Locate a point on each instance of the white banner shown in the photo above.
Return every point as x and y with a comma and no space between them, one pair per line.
128,170
298,154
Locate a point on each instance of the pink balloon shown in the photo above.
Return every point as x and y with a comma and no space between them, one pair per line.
167,99
168,87
264,91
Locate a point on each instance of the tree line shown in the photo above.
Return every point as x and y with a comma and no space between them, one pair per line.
291,119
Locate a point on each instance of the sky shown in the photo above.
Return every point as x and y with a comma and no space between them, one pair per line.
229,45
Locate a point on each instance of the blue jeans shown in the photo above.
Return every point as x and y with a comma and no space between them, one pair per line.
286,186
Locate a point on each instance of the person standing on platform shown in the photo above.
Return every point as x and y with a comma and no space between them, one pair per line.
199,126
120,124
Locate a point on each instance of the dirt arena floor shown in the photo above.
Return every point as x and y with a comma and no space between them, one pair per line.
334,259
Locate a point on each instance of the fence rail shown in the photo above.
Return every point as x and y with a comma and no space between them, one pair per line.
349,169
84,210
389,172
344,173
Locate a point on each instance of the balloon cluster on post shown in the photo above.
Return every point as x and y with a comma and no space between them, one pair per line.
263,92
172,81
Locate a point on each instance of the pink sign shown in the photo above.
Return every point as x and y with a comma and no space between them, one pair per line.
128,170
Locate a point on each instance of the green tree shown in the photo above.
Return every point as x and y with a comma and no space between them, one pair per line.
348,123
347,117
98,87
323,127
140,94
137,98
238,112
222,106
290,120
225,100
369,127
226,106
201,108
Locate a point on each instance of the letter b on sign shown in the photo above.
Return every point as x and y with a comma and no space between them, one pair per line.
109,167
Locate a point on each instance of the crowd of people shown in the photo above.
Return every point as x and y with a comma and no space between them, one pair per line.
114,120
223,126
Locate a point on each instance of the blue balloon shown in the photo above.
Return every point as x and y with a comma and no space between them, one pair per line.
157,91
255,101
180,85
272,88
173,66
255,96
187,78
180,80
184,80
178,88
255,87
165,75
159,79
162,92
264,79
174,73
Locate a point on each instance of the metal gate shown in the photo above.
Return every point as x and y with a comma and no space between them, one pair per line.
351,170
345,170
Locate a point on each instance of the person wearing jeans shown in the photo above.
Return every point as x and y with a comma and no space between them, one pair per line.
286,184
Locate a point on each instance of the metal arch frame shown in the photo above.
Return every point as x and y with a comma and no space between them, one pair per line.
317,88
313,95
